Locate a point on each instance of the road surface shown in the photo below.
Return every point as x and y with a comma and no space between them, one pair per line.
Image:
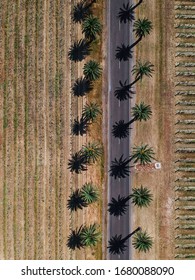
118,33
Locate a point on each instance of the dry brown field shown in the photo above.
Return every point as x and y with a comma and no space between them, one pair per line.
36,112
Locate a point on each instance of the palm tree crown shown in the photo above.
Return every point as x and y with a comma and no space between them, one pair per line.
142,154
142,241
141,69
91,27
120,168
91,152
79,50
92,70
90,235
141,112
141,197
91,111
123,52
123,92
142,27
89,193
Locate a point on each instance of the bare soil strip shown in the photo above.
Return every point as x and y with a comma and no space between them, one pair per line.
51,224
8,126
2,78
19,203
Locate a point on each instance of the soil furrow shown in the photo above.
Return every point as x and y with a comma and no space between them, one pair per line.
51,224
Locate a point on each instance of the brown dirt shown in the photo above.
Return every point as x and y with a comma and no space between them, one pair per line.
158,91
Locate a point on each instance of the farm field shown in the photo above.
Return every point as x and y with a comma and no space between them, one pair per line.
36,113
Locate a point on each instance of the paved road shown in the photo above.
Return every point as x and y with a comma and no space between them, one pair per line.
118,33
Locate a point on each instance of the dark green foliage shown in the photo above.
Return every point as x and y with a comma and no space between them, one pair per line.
91,27
142,242
92,70
142,154
141,197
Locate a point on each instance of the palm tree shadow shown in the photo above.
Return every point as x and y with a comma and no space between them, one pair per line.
80,127
123,53
81,87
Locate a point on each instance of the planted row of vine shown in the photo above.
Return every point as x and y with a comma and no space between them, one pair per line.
185,129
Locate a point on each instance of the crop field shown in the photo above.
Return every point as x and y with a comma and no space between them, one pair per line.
36,112
184,130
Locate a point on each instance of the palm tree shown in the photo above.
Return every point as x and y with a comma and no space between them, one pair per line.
142,27
142,241
139,112
76,201
118,207
91,111
80,127
123,52
77,163
89,193
91,27
92,70
82,10
75,239
90,235
126,14
141,197
142,154
91,152
123,92
79,50
81,87
120,168
140,70
117,243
